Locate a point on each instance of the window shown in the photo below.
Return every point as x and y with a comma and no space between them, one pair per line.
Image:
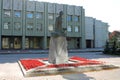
76,18
30,26
39,15
31,0
50,27
76,29
39,27
50,16
17,14
17,43
6,25
69,18
29,14
5,43
7,13
36,41
69,28
32,42
17,25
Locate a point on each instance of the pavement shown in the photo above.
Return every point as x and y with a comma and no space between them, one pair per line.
46,51
10,70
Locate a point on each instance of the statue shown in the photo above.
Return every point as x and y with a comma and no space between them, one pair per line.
58,53
59,30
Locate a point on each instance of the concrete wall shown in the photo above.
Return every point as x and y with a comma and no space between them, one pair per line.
89,34
96,31
101,33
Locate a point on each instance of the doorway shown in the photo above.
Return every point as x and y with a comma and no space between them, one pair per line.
9,42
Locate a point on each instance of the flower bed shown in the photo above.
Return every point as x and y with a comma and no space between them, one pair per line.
39,62
31,63
84,60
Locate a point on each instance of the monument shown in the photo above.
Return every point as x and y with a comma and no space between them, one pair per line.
58,61
58,53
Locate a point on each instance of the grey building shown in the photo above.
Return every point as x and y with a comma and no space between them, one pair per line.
28,24
96,33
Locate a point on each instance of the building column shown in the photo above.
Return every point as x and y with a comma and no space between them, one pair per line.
45,26
92,44
23,24
23,42
83,41
94,33
45,43
0,42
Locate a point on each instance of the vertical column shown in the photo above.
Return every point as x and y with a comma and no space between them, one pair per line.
0,23
94,33
23,23
65,15
23,42
12,22
83,28
45,25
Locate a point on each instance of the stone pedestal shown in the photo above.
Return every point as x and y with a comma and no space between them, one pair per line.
58,52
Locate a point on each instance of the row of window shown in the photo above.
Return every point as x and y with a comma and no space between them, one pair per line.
70,18
18,26
39,26
39,15
69,28
7,13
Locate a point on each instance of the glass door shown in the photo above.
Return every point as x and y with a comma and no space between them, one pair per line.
17,43
5,43
31,43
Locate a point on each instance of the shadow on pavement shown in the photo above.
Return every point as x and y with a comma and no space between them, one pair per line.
79,76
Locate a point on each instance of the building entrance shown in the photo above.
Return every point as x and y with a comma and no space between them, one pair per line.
11,42
88,43
33,43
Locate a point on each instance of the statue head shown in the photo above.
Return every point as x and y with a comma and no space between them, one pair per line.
61,13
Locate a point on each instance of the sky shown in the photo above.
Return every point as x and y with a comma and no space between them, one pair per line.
105,10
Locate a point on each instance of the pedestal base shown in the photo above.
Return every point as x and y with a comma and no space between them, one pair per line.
41,66
58,53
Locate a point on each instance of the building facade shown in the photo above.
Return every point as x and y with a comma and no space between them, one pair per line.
28,24
96,33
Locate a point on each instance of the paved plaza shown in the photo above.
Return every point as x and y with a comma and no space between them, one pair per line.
10,70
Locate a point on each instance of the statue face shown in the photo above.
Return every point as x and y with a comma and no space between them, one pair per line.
61,13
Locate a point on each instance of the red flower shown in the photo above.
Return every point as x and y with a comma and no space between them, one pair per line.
31,63
78,61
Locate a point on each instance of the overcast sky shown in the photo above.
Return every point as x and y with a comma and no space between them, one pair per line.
105,10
